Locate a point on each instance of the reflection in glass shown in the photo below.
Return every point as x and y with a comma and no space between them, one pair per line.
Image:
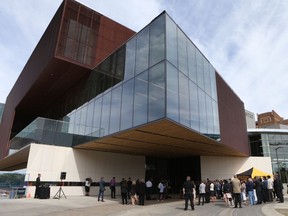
200,72
207,81
115,110
184,100
192,62
171,40
172,93
141,99
202,111
130,59
182,52
213,83
97,114
157,46
142,50
209,110
105,112
127,105
215,118
90,112
156,92
194,111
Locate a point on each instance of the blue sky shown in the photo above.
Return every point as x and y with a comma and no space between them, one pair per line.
246,41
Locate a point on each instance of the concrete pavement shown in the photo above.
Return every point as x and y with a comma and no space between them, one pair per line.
88,206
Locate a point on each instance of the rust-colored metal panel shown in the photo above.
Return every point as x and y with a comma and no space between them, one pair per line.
36,64
86,37
67,51
233,127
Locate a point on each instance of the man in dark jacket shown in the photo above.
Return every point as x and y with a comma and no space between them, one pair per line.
141,191
37,184
188,187
278,187
124,191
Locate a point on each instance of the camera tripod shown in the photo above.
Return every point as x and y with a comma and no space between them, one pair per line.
60,193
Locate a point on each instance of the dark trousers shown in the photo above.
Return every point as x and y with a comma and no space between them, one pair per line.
201,196
189,197
141,199
207,197
113,191
101,195
279,195
36,192
259,196
129,193
237,197
124,198
148,193
270,194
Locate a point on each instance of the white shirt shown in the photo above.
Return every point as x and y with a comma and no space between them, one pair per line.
212,186
87,183
148,184
270,183
202,187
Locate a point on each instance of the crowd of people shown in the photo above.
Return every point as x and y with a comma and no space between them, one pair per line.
234,192
237,191
137,191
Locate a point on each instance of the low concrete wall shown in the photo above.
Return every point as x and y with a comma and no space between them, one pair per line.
79,164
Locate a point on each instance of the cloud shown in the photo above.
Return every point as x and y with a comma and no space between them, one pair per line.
24,23
246,41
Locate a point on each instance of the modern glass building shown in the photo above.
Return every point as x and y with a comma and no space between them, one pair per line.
152,81
272,143
146,104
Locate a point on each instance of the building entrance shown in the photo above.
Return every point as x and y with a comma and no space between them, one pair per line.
172,170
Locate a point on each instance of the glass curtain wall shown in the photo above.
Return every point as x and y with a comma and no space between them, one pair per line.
191,84
140,97
163,75
276,146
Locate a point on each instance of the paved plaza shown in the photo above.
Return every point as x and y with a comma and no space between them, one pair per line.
88,206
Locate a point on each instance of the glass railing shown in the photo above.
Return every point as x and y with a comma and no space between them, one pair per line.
53,132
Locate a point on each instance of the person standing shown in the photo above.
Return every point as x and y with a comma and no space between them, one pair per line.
133,194
202,192
212,192
113,188
141,191
227,192
265,192
236,187
218,189
101,189
250,191
188,187
161,188
149,189
243,192
278,186
270,188
88,182
37,184
124,191
129,185
207,189
258,188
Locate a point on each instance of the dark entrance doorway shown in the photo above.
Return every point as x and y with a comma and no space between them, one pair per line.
174,170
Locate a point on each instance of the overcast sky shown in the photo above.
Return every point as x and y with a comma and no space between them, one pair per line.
246,41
